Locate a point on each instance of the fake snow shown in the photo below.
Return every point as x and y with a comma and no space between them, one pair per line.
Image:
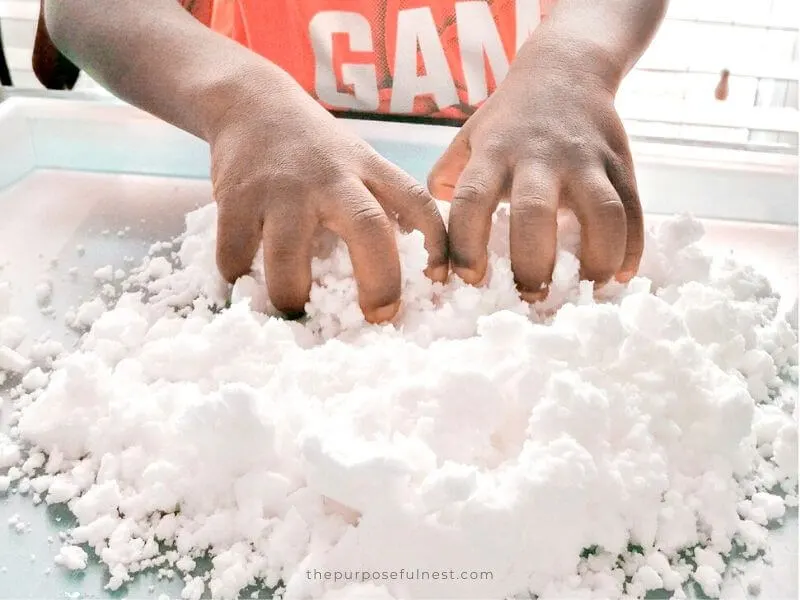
476,447
72,558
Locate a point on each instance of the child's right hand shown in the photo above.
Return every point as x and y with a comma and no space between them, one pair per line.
282,166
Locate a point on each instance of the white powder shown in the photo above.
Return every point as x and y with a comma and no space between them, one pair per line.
12,331
44,293
34,379
9,452
13,361
87,313
104,273
72,557
709,580
475,434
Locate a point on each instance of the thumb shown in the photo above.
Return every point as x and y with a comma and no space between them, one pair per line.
445,173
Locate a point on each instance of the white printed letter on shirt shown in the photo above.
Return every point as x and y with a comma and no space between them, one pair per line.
529,15
362,77
477,34
416,28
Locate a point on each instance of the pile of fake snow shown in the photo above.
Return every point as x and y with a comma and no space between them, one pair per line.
72,557
599,443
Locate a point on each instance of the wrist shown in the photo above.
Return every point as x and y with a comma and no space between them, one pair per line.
573,56
236,89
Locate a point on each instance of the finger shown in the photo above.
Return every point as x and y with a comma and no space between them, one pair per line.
288,238
533,230
603,231
357,217
481,185
445,173
620,172
415,208
239,224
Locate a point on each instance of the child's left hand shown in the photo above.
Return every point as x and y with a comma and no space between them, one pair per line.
548,137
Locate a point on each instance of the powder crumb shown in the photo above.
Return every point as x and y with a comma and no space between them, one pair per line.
48,570
163,597
5,483
185,564
104,274
108,291
73,273
709,580
9,453
34,379
73,558
193,590
12,331
87,313
13,361
44,293
46,350
80,249
754,586
649,578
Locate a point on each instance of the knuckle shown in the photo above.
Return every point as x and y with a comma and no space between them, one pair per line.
280,249
493,145
533,208
578,148
419,195
368,216
471,191
612,210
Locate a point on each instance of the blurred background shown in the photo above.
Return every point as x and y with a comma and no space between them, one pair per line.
672,96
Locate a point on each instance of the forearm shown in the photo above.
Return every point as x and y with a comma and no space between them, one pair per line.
155,55
604,37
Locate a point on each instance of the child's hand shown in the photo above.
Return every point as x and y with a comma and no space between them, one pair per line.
548,137
282,166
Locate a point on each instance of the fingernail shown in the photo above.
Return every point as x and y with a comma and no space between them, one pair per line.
625,276
383,313
471,276
532,297
294,315
438,273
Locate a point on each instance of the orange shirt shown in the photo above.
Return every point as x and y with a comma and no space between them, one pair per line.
438,58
